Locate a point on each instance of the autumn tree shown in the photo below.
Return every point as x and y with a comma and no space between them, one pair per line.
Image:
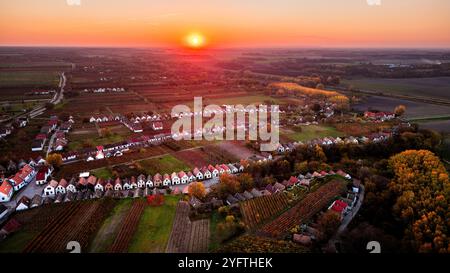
246,181
54,160
319,154
329,223
301,167
197,189
422,188
228,184
342,102
400,110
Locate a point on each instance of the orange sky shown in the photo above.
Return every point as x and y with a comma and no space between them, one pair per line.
230,23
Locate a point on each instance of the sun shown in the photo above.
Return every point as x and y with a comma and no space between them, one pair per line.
195,40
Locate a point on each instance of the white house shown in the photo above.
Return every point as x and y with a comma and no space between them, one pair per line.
149,182
61,188
166,181
191,177
198,174
183,177
6,191
50,189
43,175
141,181
175,179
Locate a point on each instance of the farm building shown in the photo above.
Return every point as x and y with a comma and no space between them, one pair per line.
50,189
61,188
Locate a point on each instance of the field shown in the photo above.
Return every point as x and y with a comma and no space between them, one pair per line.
257,210
127,227
304,210
310,132
438,87
110,227
30,79
413,109
187,236
77,223
154,228
164,164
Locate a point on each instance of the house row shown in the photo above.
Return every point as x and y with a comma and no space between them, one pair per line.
104,90
16,182
92,183
246,195
229,109
327,141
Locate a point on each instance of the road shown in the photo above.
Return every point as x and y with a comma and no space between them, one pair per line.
347,219
50,143
38,109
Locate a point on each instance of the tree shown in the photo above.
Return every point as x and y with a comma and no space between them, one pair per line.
301,167
246,181
54,160
400,110
421,185
197,189
228,184
341,101
319,154
329,223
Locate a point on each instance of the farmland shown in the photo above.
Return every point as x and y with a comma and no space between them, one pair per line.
256,211
110,227
310,132
438,87
128,227
29,79
154,227
164,164
304,210
78,223
413,109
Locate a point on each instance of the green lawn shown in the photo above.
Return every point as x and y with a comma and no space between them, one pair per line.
154,228
110,227
311,132
164,164
94,141
103,173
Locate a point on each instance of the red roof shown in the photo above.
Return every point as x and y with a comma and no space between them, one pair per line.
339,206
5,188
41,136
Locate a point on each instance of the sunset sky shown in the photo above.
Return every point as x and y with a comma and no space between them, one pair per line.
227,23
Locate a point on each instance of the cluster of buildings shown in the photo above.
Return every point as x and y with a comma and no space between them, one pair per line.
104,90
303,180
379,116
46,131
14,183
327,141
133,123
88,186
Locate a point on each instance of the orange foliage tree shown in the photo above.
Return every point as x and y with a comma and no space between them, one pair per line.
422,187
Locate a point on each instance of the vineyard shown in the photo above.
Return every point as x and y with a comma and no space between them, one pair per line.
187,236
77,223
304,210
257,210
128,227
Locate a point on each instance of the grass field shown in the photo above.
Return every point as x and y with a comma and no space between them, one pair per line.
244,100
94,140
311,132
162,165
29,79
110,227
104,173
424,87
154,228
